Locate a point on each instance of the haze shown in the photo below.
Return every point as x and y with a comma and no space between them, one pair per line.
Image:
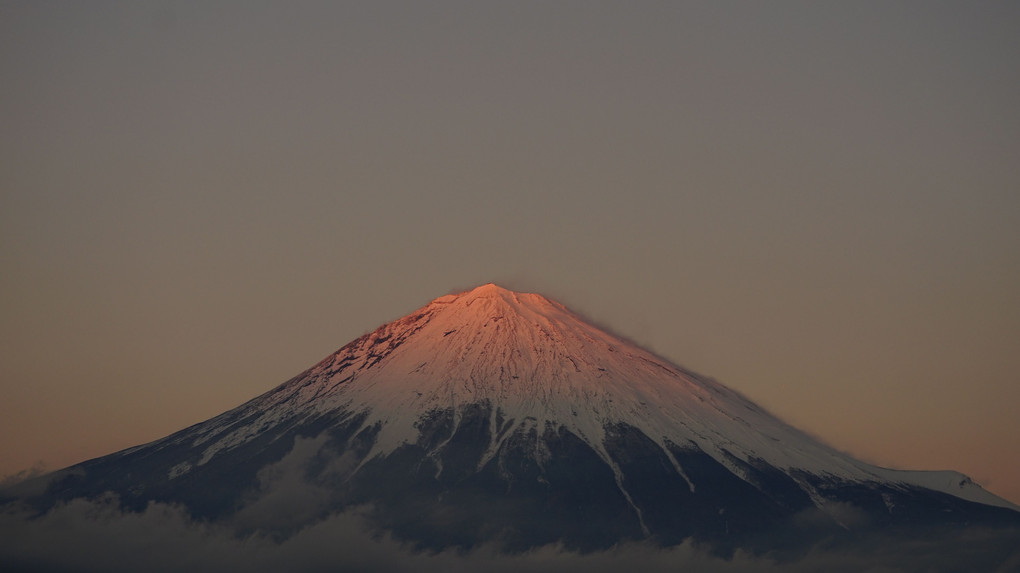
814,203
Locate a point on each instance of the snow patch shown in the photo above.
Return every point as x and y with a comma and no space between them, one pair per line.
179,470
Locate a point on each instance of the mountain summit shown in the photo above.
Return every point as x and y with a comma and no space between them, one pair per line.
493,416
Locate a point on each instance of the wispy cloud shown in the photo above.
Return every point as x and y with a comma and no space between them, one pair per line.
37,469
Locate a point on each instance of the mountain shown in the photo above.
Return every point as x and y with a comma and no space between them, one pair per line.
498,417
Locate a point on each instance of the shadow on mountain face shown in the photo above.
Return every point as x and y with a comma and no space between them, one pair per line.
97,535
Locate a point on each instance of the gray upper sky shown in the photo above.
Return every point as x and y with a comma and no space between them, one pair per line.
817,203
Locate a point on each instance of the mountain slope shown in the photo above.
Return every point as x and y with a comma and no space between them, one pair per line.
500,416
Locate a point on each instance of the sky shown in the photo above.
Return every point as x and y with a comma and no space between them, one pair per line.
817,204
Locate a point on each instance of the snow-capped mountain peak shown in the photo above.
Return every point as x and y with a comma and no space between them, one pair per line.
537,366
493,416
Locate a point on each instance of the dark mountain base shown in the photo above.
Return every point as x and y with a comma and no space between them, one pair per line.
542,486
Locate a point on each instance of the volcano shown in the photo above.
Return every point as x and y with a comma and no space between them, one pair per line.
499,417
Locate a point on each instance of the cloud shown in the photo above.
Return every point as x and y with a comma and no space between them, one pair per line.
37,469
98,535
845,515
284,499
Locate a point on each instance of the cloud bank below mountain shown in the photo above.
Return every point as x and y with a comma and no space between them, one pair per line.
98,535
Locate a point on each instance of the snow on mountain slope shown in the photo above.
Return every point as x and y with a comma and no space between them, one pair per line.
539,365
947,481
